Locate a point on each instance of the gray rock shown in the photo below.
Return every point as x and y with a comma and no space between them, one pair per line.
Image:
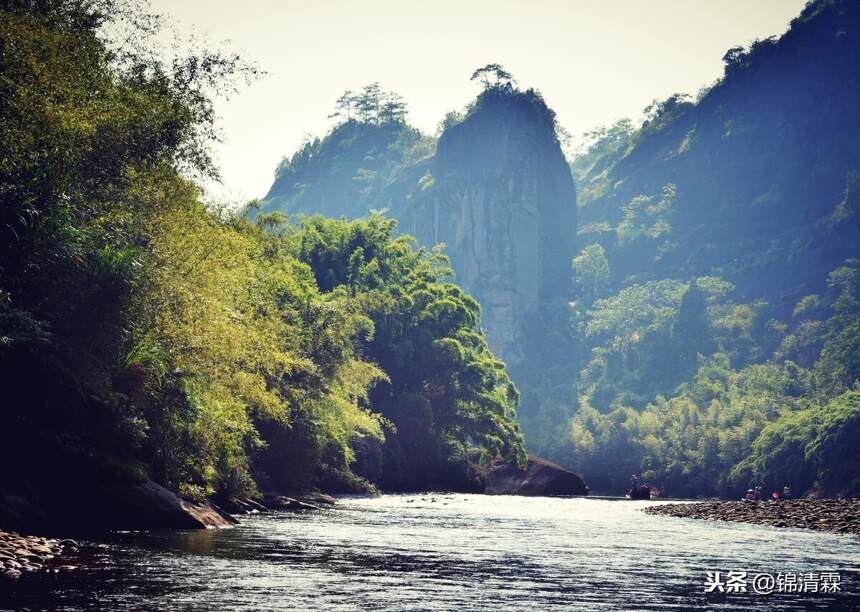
281,502
504,203
541,477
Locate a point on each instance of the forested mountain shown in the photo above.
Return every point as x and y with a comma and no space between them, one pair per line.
749,181
701,327
348,173
495,190
500,197
717,283
700,324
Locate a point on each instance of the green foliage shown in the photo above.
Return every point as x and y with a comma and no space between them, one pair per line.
604,147
833,448
814,447
590,273
94,138
445,393
350,171
713,424
451,119
661,113
145,333
715,391
848,210
646,224
692,328
371,105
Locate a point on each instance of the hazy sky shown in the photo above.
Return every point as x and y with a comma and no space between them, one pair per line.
594,61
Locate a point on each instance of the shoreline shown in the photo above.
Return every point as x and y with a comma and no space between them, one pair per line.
21,554
840,516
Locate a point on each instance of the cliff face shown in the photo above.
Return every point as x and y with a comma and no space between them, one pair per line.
499,194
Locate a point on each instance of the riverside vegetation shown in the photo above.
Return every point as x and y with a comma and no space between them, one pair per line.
147,335
691,314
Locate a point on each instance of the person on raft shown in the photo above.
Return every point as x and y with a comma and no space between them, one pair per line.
753,494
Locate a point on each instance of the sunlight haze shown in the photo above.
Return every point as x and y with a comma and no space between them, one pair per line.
593,62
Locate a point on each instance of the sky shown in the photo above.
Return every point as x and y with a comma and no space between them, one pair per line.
594,61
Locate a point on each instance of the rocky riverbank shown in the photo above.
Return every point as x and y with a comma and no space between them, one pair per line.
836,515
20,554
275,501
85,506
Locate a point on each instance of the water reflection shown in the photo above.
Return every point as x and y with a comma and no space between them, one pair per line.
445,552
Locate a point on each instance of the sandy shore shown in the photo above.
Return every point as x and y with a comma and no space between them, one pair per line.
836,515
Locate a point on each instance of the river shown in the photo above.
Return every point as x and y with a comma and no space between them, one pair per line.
445,552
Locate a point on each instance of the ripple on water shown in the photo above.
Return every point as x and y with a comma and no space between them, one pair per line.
467,552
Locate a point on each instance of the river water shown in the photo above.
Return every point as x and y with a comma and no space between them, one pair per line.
446,552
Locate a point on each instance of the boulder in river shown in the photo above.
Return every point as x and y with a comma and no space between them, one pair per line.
540,477
148,505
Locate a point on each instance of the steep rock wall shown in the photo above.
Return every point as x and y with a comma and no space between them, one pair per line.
502,200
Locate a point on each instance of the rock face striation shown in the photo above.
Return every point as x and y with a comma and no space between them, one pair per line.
499,194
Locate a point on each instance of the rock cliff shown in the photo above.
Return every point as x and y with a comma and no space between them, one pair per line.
499,194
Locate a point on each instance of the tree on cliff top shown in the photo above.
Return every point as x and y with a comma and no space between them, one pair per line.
502,78
372,104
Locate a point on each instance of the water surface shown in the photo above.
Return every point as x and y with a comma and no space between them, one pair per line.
442,552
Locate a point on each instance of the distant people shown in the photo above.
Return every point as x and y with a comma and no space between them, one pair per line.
638,489
786,492
758,494
775,496
750,496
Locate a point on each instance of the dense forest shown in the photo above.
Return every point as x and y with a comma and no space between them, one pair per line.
145,334
715,293
704,329
680,299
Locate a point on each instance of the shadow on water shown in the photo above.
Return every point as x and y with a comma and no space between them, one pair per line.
443,552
